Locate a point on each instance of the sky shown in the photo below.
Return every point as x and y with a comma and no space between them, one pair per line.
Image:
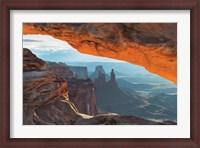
51,49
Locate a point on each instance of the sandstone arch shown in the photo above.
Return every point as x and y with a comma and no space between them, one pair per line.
151,45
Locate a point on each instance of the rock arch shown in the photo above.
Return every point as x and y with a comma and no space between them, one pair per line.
151,45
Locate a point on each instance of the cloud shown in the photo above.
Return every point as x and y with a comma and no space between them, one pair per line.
29,40
44,42
51,49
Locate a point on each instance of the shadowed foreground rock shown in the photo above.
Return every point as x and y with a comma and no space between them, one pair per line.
81,93
151,45
45,93
110,119
45,100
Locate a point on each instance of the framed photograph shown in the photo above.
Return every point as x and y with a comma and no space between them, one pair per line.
100,73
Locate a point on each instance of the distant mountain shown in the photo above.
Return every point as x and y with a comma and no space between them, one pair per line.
118,66
126,71
95,74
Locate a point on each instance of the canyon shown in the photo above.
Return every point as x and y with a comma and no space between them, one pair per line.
46,93
53,96
125,97
151,45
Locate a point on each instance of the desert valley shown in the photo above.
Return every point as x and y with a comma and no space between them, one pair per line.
58,90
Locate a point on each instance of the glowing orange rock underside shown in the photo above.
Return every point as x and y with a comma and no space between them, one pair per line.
156,59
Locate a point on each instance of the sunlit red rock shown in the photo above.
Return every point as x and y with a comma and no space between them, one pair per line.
151,45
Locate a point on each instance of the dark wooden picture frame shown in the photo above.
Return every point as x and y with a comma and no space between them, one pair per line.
192,5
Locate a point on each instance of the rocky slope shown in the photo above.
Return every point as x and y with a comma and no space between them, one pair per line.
113,119
31,62
59,69
45,100
54,99
151,45
46,93
81,91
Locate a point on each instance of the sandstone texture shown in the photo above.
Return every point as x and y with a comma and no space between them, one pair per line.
46,93
31,62
45,99
82,94
59,69
151,45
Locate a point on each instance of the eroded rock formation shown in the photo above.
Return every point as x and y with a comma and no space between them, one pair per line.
151,45
31,62
79,71
45,99
81,93
59,69
45,92
100,80
55,99
98,69
112,81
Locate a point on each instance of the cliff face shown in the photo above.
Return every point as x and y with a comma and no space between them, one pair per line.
31,62
46,92
112,82
151,45
59,69
96,73
100,80
81,93
45,95
45,100
80,72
